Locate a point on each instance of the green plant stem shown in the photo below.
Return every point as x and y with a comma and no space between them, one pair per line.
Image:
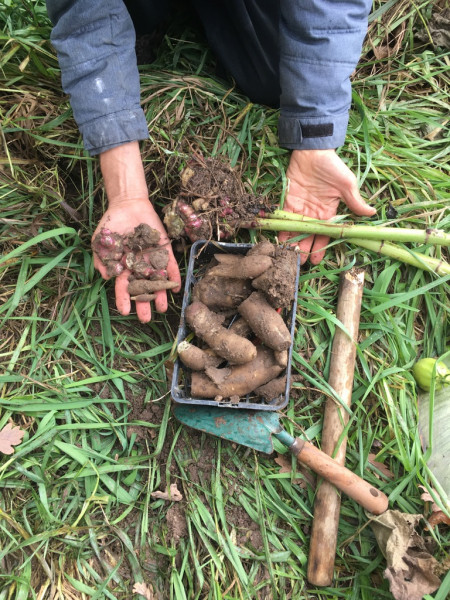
416,259
286,221
377,239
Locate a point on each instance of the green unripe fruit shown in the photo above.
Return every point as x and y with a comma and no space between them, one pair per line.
423,370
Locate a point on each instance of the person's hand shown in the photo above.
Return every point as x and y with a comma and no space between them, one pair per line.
318,180
122,217
128,207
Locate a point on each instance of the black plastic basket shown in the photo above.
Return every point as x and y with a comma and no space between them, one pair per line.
201,254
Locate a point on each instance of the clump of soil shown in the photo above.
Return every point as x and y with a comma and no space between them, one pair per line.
212,202
141,254
278,282
176,523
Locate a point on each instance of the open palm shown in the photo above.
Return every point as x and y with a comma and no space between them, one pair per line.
123,218
318,181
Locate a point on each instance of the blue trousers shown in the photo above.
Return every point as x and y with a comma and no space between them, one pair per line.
243,35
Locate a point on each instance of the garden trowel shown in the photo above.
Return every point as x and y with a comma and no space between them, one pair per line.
255,429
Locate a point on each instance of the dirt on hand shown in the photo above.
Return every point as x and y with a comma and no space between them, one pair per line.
140,253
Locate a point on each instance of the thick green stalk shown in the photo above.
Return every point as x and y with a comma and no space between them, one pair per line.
421,261
281,220
416,259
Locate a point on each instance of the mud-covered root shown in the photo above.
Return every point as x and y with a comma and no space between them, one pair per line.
138,287
143,297
138,252
278,282
272,389
181,218
264,248
240,267
142,237
196,358
151,264
282,357
113,268
207,326
265,322
158,258
220,293
240,327
218,376
142,270
108,246
239,380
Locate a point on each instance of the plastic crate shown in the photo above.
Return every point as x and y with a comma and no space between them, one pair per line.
201,254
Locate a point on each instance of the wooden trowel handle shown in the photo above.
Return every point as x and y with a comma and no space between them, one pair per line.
348,482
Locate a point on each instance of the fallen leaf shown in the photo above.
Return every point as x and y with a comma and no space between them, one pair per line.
380,466
444,566
179,112
174,495
144,590
437,515
410,567
10,436
427,497
381,51
286,467
437,518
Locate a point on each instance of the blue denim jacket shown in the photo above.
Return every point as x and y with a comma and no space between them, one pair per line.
320,44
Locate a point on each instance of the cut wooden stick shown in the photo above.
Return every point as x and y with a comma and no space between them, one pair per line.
327,503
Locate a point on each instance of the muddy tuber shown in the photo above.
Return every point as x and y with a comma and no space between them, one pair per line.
232,320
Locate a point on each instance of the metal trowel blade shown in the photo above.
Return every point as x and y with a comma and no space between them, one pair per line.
247,427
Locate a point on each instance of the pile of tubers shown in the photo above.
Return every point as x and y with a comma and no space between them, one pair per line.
139,254
241,339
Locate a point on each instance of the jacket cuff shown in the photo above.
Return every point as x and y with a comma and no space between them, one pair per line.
312,133
113,130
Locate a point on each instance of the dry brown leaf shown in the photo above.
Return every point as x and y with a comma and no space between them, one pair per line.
382,51
427,497
437,515
410,567
174,495
392,45
179,112
144,590
10,436
444,567
380,466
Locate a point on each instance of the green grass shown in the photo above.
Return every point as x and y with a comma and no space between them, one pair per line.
90,387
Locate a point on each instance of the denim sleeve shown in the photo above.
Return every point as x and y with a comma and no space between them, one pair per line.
95,43
320,45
